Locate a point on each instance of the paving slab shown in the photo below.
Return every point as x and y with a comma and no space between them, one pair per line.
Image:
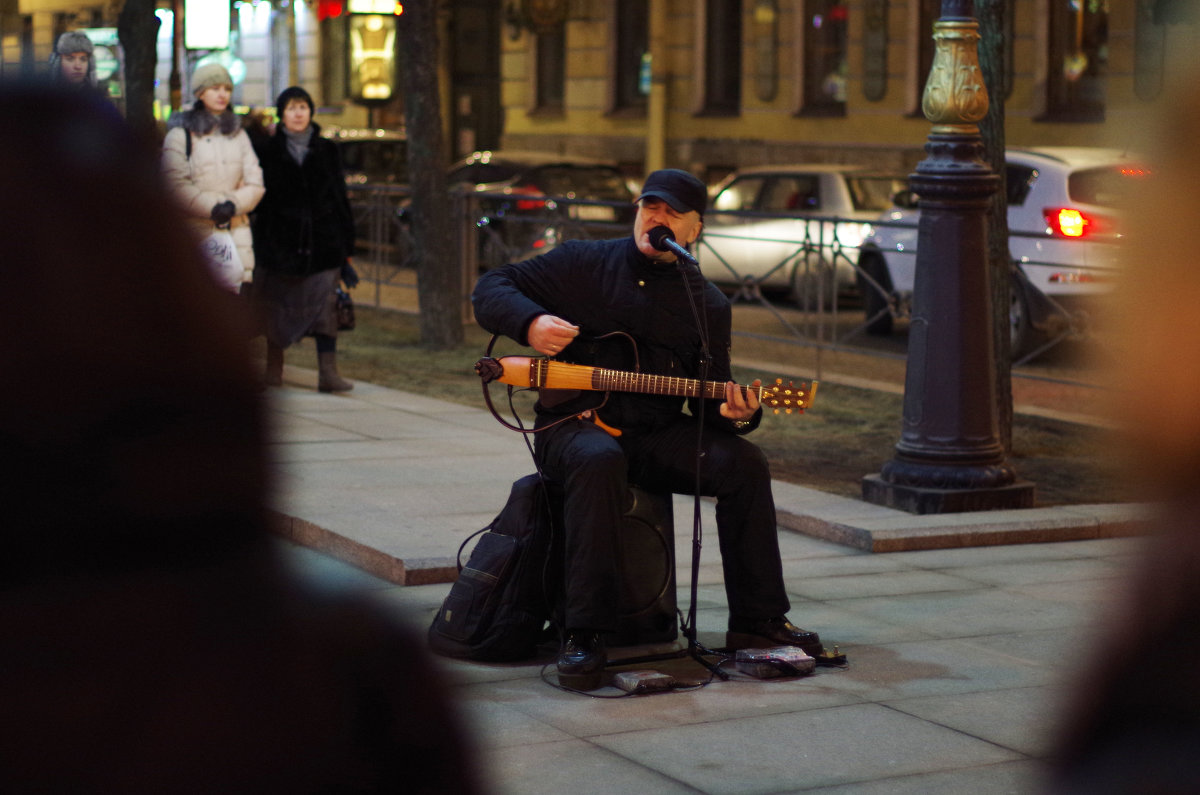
946,691
961,643
1011,718
776,753
394,482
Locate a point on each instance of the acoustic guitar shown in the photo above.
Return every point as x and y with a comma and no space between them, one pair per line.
541,373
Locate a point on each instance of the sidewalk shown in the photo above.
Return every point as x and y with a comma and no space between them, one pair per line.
414,475
959,638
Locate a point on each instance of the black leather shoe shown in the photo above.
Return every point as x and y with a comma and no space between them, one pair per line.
581,661
763,633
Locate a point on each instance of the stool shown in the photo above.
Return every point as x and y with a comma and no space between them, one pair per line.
645,565
647,571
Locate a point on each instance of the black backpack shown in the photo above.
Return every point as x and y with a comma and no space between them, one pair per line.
498,607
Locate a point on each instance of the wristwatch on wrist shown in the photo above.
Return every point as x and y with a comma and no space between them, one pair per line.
739,424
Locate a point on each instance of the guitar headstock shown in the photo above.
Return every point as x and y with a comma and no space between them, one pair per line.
789,398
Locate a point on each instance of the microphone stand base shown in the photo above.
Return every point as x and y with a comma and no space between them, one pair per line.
694,650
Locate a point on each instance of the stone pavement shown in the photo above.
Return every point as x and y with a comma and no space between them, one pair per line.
411,474
960,640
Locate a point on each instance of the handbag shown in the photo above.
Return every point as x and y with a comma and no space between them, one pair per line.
345,310
224,262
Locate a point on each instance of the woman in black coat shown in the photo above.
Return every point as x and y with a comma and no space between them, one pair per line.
303,239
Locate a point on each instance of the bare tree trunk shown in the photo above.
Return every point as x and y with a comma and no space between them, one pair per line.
137,29
439,277
990,14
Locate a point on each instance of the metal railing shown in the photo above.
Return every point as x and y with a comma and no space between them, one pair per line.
805,280
813,288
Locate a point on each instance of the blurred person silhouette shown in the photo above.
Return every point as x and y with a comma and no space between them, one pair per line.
209,161
153,642
1133,720
259,124
303,240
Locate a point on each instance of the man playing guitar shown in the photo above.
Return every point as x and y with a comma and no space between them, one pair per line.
581,303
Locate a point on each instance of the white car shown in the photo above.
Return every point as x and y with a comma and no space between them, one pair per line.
1064,220
793,229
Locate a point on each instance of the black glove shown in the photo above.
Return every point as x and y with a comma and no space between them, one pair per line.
349,276
221,213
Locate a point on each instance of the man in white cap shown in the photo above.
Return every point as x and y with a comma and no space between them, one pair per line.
563,304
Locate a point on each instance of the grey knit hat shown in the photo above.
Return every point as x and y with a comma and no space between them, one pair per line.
209,75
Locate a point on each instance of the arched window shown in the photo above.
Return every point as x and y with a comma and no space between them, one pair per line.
825,59
550,71
1077,43
720,70
631,51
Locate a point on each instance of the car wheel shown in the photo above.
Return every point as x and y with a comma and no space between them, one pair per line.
876,306
813,286
1021,331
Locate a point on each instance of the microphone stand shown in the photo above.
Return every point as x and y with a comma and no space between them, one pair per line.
688,627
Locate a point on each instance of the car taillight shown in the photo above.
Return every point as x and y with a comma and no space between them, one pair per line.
528,204
1073,223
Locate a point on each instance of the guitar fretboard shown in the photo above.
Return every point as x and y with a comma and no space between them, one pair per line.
549,374
644,383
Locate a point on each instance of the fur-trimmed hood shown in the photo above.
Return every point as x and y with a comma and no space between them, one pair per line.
200,122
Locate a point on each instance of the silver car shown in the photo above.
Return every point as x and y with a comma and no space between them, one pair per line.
792,229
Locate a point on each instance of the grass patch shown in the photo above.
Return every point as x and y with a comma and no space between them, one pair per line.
849,432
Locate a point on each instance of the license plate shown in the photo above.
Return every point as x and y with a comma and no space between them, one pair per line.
593,212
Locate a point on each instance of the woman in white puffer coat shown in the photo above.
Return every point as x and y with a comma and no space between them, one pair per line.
209,162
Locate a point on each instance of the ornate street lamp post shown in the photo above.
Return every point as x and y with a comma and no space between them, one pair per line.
949,457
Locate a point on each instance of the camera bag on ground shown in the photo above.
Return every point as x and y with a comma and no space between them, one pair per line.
498,607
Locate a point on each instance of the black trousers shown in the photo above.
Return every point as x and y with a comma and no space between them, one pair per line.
596,468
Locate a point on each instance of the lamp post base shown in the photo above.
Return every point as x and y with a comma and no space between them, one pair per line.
928,499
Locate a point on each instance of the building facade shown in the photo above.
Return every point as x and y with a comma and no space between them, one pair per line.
271,44
712,85
708,85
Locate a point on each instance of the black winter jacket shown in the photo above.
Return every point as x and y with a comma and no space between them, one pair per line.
304,224
605,286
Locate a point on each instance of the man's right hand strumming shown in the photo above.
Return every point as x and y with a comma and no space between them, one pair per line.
548,334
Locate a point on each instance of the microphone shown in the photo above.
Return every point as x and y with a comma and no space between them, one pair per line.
663,239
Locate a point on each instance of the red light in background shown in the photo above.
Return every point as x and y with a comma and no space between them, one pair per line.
1073,277
528,204
327,9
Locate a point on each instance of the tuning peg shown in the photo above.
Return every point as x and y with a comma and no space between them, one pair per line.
788,399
